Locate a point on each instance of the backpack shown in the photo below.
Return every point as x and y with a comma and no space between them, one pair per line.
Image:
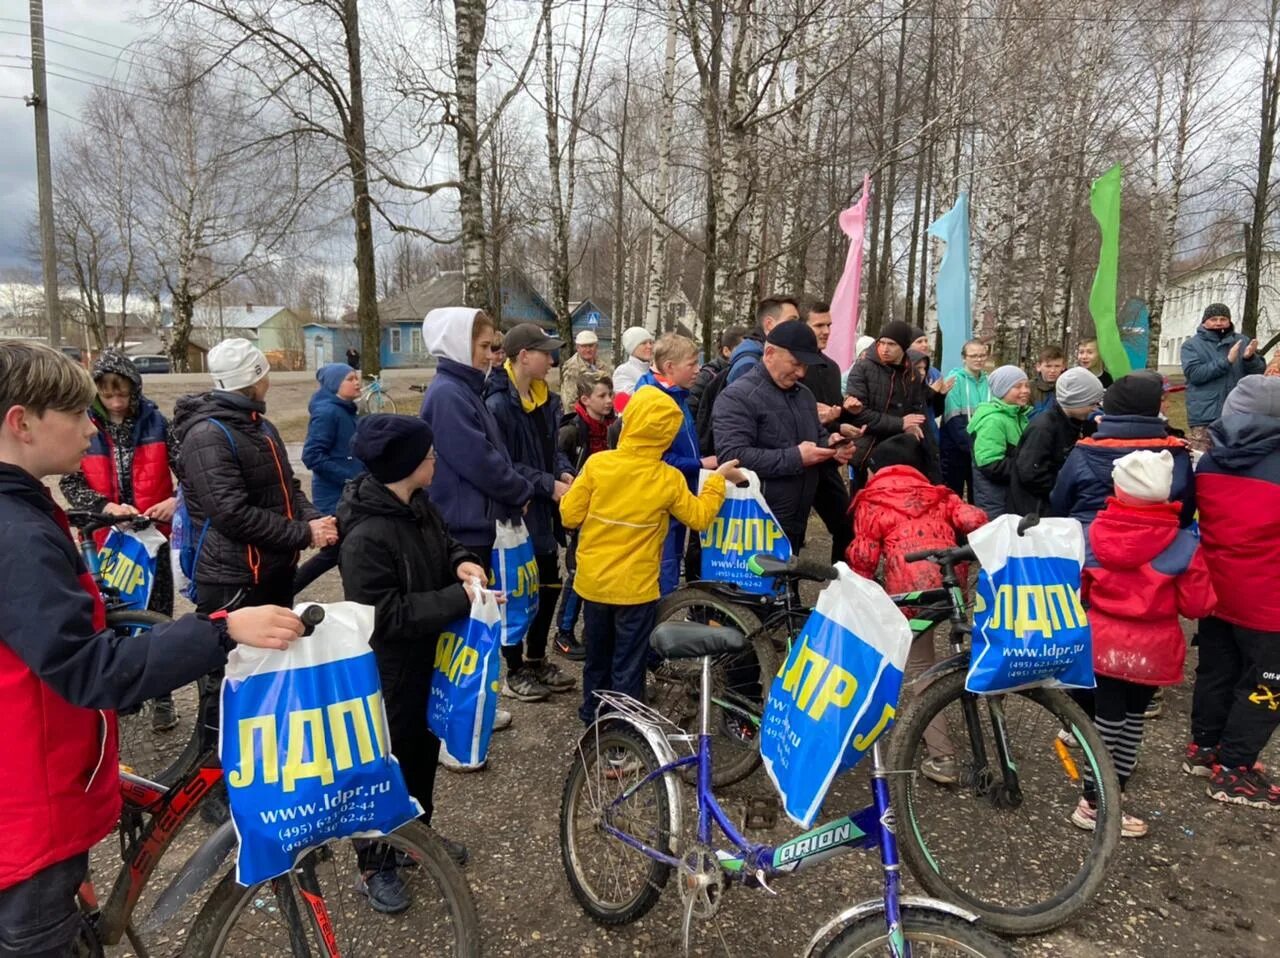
706,402
185,542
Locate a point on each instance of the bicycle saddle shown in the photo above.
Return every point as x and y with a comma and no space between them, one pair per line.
692,640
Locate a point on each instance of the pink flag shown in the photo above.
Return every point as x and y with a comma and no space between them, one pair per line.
844,302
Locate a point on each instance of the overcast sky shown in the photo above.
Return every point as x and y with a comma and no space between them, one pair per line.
103,26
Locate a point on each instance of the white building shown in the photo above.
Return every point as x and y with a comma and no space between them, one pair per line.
1218,281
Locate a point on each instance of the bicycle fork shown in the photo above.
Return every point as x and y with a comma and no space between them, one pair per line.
984,779
889,860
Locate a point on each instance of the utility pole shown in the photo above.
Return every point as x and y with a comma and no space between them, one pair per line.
39,101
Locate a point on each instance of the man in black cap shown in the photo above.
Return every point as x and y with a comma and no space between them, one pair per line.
1214,360
768,421
893,398
528,416
397,556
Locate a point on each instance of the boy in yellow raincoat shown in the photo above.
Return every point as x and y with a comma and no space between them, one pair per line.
622,503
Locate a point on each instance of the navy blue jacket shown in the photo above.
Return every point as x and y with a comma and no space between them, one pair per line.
1210,377
746,354
1085,481
530,440
327,451
475,483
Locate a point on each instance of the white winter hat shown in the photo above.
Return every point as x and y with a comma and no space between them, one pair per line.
586,338
1144,475
864,343
236,363
634,338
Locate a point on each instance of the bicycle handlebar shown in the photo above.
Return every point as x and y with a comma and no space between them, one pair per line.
943,557
90,522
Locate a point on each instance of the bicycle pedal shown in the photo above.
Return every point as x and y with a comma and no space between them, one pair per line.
761,813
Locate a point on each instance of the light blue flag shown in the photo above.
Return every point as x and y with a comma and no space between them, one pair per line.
955,304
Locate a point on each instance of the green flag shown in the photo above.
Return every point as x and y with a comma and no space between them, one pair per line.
1104,201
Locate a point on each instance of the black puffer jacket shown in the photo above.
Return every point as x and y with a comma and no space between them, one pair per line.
887,394
400,559
1042,452
258,512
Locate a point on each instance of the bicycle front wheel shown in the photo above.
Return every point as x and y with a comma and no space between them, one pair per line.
999,839
159,739
379,401
319,908
739,684
944,935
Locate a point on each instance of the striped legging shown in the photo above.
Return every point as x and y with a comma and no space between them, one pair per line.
1116,707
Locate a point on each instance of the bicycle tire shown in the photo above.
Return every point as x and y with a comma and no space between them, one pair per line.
378,402
217,918
924,855
869,936
675,686
162,757
620,740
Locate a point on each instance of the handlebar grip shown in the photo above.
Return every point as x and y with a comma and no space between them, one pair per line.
818,571
311,616
922,556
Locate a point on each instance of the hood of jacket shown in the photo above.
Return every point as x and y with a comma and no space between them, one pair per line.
505,382
750,346
114,361
998,409
1125,536
1130,427
651,422
650,378
365,498
447,333
1215,336
227,406
1241,440
902,489
17,482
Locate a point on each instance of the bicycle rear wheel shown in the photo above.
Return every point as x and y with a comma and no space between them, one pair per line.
739,684
378,401
154,743
283,916
944,935
1005,849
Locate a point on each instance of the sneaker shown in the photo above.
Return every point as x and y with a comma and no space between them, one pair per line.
501,720
1244,786
1067,739
385,891
457,851
163,715
550,675
521,684
1200,760
941,770
1156,706
454,765
567,644
1086,816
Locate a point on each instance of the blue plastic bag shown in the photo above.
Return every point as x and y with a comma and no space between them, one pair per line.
305,746
743,527
515,574
127,561
464,686
1029,627
836,693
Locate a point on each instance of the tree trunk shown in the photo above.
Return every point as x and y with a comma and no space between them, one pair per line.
559,215
658,239
470,17
1255,230
366,271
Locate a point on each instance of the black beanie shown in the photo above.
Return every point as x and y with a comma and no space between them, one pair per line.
901,333
390,446
1137,394
900,450
1216,309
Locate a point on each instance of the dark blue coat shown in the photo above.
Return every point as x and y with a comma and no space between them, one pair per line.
530,439
1085,481
327,450
475,483
1210,377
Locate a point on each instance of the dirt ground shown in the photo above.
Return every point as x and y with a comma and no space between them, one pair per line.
1205,881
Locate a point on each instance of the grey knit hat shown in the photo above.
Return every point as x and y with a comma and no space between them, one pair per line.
1004,379
1078,388
1254,395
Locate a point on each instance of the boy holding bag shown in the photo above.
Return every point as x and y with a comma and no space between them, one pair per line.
622,502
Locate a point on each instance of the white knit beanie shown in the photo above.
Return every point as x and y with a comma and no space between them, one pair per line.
1144,475
634,337
236,363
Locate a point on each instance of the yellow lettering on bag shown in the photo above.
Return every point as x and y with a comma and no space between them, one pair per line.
838,689
265,727
339,713
306,727
526,579
809,661
1035,609
742,535
863,742
379,721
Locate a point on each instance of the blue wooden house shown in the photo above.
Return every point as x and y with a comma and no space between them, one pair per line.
594,315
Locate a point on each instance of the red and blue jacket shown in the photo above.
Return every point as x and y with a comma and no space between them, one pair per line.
148,481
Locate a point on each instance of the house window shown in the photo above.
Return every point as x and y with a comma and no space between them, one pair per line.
395,339
415,341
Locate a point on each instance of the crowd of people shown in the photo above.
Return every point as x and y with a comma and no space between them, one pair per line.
618,471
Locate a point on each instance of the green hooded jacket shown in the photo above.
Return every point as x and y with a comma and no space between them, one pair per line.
995,427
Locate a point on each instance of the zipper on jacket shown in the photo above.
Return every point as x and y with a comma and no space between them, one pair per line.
102,747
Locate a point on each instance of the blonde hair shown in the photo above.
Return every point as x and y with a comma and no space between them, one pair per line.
40,378
672,348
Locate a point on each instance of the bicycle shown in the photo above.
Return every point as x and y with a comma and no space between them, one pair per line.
158,754
622,792
310,911
1010,760
374,397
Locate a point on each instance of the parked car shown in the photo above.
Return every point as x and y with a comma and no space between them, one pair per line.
151,364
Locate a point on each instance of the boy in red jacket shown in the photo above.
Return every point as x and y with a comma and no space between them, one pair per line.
901,511
1141,572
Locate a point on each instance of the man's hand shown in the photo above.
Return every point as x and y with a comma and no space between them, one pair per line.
566,478
467,571
163,511
731,472
1234,352
119,509
852,405
844,454
943,386
1251,350
915,431
709,462
851,432
264,627
811,454
324,532
558,490
912,419
827,414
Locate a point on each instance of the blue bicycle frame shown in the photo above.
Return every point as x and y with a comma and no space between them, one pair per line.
872,827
